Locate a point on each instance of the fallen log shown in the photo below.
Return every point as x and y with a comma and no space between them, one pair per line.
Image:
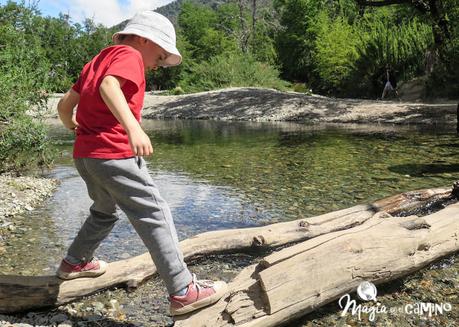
382,249
21,293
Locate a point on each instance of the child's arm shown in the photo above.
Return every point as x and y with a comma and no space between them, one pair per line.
111,93
65,109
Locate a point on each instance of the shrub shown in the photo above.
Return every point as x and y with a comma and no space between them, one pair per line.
24,144
177,91
231,70
301,88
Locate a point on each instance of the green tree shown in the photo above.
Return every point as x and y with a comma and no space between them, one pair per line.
336,51
199,25
58,37
295,41
435,10
24,76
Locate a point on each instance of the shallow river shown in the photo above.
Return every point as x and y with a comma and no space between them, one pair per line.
219,175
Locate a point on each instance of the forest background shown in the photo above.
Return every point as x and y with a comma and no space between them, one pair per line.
336,48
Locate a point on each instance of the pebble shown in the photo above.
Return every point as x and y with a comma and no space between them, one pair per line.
66,323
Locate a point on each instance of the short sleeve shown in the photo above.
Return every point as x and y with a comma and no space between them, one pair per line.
127,63
77,86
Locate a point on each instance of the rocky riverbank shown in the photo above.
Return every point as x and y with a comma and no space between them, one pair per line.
259,104
20,194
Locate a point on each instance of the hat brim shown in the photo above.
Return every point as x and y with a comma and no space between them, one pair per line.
174,57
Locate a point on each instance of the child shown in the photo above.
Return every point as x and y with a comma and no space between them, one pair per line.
108,152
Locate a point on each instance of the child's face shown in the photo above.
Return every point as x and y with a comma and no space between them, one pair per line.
152,54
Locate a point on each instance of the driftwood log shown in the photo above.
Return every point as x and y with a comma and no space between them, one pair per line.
21,293
296,280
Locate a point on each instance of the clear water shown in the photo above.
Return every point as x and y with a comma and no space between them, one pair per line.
220,175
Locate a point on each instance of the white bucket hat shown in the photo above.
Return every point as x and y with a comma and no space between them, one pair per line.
156,28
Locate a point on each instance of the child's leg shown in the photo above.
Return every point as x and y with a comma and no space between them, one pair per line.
130,184
101,218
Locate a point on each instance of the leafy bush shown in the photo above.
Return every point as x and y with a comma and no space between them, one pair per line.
24,144
301,88
335,52
177,91
231,70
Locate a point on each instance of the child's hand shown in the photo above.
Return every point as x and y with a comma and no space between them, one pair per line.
71,123
140,143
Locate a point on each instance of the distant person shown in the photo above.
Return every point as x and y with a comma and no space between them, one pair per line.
108,153
429,59
390,84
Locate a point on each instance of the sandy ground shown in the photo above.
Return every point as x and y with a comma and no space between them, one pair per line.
258,104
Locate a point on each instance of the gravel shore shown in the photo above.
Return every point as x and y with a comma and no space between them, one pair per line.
260,104
20,194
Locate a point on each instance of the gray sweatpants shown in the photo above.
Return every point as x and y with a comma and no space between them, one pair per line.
127,183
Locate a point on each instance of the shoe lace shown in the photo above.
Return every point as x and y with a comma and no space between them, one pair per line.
202,283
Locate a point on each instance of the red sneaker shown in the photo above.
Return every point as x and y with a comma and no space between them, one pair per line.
201,293
91,268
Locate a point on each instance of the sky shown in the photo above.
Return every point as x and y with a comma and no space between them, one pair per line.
105,12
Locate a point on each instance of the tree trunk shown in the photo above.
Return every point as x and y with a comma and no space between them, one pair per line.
244,31
19,293
297,280
254,20
440,25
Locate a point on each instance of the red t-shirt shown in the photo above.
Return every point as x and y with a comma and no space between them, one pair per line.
99,134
